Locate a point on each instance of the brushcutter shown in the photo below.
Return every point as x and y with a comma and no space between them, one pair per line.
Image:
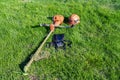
57,21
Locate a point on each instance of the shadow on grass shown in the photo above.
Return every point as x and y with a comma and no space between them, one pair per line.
66,20
37,26
22,64
50,18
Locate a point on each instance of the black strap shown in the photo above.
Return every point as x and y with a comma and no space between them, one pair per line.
68,42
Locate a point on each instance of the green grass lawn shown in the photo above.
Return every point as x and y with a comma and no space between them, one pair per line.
95,52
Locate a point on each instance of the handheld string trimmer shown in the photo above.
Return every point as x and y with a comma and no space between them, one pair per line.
57,21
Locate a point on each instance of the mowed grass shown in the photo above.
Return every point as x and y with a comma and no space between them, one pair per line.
95,52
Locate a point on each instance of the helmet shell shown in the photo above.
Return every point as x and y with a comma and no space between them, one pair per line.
74,19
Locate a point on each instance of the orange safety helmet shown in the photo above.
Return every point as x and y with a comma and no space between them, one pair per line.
58,20
74,19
